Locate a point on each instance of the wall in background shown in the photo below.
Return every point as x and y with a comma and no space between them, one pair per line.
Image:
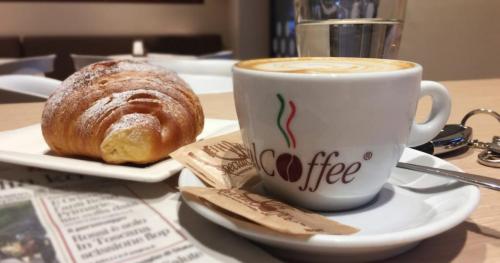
453,39
243,24
249,23
66,18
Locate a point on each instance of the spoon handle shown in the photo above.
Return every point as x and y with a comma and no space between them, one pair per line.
474,179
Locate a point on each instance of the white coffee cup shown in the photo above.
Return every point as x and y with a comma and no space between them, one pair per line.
325,133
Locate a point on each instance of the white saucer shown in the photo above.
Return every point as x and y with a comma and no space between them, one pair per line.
26,146
411,207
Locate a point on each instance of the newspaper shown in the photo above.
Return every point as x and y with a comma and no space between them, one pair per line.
48,216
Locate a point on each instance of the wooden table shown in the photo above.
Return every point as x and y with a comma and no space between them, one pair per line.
475,240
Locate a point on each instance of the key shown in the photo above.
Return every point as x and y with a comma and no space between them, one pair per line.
491,156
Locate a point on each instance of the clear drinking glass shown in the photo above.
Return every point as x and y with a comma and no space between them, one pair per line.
349,28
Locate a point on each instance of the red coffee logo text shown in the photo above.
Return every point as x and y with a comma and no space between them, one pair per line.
322,168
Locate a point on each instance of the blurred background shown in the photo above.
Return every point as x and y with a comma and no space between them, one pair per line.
452,39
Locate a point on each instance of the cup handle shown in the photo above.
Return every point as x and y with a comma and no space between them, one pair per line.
441,106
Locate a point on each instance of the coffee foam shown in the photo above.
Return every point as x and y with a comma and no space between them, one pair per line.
325,65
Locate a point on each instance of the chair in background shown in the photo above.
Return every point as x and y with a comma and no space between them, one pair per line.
16,87
213,67
179,64
63,46
224,54
80,61
39,65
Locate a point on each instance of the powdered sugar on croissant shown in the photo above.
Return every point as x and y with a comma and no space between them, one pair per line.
121,111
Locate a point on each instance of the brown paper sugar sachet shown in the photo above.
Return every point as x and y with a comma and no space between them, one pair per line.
268,212
221,162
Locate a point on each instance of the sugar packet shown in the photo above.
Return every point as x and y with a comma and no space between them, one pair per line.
268,212
221,162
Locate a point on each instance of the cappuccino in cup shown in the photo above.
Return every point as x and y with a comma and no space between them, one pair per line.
325,133
325,65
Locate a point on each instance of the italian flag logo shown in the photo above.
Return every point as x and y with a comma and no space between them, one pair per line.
288,165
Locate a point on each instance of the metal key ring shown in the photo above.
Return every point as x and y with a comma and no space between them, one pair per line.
488,158
480,111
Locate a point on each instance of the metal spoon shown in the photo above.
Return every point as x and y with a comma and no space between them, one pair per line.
468,178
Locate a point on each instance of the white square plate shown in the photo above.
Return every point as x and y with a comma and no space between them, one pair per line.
26,146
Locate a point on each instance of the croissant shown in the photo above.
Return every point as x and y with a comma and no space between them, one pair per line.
121,111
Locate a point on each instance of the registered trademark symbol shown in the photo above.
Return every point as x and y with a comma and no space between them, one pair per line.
367,156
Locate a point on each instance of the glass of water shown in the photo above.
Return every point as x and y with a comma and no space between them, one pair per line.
349,28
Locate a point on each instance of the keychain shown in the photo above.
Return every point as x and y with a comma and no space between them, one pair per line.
458,136
490,156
